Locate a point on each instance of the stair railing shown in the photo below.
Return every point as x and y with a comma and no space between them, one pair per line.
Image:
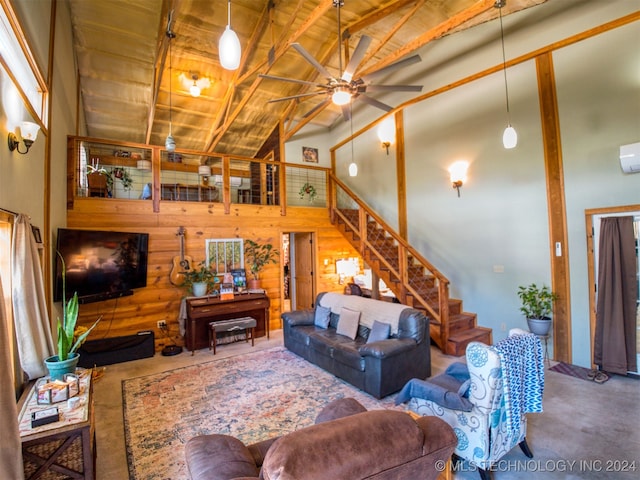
397,261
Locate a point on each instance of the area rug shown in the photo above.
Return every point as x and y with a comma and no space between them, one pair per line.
571,370
252,397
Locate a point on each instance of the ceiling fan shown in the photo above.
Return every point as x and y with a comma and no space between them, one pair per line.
342,90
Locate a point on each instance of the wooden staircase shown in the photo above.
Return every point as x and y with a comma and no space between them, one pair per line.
413,280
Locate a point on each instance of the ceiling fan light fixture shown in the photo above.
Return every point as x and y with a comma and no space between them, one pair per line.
229,49
341,96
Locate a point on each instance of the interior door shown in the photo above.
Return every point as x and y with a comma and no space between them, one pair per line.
302,274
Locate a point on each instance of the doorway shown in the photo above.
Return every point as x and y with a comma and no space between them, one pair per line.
594,225
299,260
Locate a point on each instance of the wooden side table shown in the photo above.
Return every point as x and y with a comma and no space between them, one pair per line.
63,449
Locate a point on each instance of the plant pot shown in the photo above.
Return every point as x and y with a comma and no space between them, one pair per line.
539,326
58,369
199,289
253,284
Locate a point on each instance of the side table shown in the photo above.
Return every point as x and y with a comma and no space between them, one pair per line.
63,449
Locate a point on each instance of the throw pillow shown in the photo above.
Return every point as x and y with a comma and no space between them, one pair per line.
348,323
379,331
322,315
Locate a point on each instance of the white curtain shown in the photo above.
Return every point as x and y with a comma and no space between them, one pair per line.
10,447
33,331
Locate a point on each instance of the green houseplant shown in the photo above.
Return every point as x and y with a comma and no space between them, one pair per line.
199,279
257,255
537,306
70,337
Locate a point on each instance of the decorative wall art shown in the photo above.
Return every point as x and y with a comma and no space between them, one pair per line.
310,154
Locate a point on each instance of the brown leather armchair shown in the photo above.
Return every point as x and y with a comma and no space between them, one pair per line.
347,442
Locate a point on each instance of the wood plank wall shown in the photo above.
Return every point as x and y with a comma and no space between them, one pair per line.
160,300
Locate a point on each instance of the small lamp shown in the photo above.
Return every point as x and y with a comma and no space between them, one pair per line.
386,133
458,174
143,165
29,132
204,170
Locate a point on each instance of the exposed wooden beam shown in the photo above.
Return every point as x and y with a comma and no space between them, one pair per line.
375,17
438,31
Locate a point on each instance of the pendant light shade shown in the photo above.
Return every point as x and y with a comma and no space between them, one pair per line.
509,137
229,46
170,144
353,169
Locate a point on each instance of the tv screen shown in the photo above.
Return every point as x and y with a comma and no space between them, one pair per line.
100,264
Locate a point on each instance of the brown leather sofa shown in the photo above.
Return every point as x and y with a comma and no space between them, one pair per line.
347,442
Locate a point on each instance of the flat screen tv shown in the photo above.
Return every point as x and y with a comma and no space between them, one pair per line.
100,264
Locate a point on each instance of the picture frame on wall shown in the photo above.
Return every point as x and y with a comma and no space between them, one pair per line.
310,154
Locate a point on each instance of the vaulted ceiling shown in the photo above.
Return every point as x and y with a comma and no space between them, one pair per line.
133,80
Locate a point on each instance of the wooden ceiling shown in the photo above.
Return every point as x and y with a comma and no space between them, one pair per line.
126,72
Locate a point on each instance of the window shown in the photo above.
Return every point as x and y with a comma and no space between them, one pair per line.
226,254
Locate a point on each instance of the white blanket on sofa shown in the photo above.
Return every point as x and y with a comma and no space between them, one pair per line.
369,309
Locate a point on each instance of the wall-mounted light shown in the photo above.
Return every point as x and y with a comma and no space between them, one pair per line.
229,46
386,133
458,174
510,136
29,133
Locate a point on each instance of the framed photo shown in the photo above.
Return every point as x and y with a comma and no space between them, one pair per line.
36,234
310,154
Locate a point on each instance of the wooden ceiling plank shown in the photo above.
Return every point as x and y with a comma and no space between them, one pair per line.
374,17
406,17
438,31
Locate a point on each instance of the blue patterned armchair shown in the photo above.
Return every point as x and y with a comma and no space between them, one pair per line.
507,381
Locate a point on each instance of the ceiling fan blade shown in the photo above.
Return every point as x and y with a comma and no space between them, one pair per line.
393,88
292,80
356,58
393,67
316,108
309,58
293,97
374,103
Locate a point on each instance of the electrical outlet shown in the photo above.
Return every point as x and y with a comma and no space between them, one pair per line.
162,324
503,327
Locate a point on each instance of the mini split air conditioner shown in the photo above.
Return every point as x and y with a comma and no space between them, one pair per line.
630,158
233,181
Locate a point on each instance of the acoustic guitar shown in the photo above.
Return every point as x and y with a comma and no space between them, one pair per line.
181,263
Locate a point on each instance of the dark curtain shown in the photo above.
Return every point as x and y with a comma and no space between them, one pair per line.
615,337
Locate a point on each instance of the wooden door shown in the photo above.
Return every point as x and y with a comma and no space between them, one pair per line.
303,271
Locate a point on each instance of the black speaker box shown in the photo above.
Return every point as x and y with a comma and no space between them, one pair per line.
108,351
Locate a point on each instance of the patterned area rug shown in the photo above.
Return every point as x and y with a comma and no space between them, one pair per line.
571,370
252,397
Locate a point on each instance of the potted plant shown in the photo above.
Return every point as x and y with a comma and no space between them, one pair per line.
199,279
70,337
258,255
308,189
537,306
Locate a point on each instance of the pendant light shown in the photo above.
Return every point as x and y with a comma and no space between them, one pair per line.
229,46
170,143
510,136
353,166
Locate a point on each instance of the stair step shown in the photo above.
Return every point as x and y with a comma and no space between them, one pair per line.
461,321
458,341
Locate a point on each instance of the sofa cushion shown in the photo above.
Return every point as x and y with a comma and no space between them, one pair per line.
301,333
348,323
379,331
321,317
347,354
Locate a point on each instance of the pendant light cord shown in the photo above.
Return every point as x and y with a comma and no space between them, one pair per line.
170,36
504,67
229,13
337,4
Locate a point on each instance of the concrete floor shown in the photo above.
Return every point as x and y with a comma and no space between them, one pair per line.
595,426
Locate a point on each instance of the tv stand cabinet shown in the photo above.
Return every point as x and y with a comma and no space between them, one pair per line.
203,310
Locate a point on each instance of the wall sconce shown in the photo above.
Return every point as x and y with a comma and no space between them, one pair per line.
386,133
29,132
458,174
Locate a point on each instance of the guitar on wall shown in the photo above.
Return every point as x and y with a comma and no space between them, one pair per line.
181,263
